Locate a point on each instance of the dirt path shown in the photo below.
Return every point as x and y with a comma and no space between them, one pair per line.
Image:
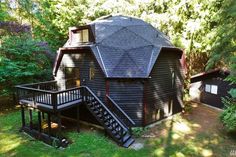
197,132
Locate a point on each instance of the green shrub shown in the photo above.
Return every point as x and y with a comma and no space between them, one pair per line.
228,116
138,131
21,61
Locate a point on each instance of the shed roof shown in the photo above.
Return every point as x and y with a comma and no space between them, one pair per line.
214,73
127,47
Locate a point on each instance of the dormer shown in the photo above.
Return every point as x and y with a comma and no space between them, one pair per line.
82,35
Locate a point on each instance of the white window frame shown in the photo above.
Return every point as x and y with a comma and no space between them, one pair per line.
81,36
208,88
213,89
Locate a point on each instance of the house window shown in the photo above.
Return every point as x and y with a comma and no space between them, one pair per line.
80,36
91,73
72,72
173,79
211,89
72,75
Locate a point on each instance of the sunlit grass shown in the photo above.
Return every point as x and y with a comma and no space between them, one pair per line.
178,137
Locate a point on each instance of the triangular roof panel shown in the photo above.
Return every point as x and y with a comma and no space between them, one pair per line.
126,47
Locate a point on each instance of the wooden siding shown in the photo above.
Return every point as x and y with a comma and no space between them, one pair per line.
162,95
128,94
215,99
83,59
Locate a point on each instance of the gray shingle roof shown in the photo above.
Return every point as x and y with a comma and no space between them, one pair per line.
126,47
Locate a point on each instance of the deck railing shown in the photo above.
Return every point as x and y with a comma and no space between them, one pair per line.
90,96
46,94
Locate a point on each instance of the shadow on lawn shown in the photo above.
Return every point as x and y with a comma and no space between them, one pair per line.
182,136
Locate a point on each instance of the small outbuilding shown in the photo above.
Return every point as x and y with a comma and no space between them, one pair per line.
127,61
209,87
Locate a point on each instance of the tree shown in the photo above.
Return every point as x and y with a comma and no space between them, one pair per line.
224,53
21,61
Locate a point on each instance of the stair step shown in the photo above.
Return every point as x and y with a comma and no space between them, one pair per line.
99,115
95,108
108,120
114,132
128,143
113,124
126,137
96,112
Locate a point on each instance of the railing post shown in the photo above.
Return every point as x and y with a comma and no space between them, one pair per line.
85,93
34,102
54,101
121,130
82,93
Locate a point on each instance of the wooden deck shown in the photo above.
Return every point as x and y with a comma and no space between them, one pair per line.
46,96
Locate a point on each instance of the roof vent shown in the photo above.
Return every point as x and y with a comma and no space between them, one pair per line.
157,35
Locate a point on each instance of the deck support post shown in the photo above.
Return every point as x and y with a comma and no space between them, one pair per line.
78,126
40,122
22,116
49,124
59,123
43,115
31,119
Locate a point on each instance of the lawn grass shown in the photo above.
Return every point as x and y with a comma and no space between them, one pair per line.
180,136
84,144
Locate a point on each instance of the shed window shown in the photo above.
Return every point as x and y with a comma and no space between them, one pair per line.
211,88
81,36
214,89
91,73
208,88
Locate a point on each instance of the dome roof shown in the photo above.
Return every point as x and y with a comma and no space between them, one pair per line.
117,31
126,47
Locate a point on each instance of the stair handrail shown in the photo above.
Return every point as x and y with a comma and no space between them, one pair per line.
121,111
117,120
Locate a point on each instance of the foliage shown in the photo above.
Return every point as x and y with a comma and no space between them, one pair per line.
138,131
21,61
228,116
188,23
224,54
4,14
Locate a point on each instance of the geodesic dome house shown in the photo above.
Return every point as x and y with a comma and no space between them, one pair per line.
118,72
128,60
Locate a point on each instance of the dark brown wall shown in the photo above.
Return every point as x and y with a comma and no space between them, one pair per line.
128,94
83,60
134,96
159,92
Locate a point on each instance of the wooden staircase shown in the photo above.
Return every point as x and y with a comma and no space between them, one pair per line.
111,123
45,97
